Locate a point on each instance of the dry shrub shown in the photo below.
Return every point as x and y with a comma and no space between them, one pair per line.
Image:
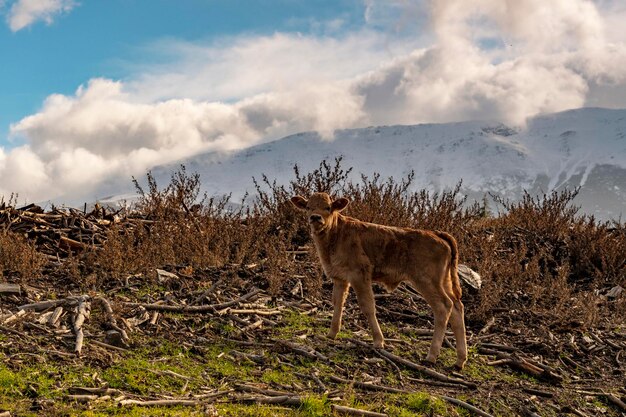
540,255
551,260
18,257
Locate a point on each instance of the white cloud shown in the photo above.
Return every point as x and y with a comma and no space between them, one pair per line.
244,66
488,59
24,13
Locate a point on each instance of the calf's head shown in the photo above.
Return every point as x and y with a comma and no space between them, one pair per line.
320,209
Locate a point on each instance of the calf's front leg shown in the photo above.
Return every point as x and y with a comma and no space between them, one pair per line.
365,296
340,292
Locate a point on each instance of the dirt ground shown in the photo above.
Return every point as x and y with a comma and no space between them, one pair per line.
217,342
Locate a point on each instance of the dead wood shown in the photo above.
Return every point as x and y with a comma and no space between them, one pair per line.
191,308
615,401
292,400
355,411
53,320
7,288
161,403
412,365
107,346
528,366
368,386
111,317
80,315
540,393
467,406
263,391
83,397
304,350
94,391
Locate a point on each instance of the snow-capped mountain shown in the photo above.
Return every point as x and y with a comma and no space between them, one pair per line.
585,147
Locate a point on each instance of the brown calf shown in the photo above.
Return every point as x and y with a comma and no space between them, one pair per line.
356,254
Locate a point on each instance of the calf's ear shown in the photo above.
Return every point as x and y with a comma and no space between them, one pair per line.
340,204
299,202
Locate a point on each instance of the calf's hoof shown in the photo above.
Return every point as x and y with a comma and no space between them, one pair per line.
379,344
459,365
429,361
331,335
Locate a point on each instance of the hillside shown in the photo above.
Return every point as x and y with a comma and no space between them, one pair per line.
583,148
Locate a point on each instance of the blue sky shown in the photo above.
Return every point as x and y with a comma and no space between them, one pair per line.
93,92
108,38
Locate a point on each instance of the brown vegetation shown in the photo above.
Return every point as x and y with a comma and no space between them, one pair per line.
545,332
540,255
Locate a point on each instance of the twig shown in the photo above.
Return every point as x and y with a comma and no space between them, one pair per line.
83,397
150,403
466,406
248,311
282,399
208,291
302,350
540,393
16,332
526,365
257,390
194,309
107,346
356,412
44,305
96,391
366,386
412,365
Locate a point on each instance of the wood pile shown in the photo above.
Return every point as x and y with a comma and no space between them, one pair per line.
63,231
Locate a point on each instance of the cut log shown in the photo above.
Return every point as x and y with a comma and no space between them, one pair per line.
7,288
81,314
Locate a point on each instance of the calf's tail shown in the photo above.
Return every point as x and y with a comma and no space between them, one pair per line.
454,262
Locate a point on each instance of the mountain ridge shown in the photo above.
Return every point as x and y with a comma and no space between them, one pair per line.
583,148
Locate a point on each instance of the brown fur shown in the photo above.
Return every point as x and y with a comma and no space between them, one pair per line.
356,254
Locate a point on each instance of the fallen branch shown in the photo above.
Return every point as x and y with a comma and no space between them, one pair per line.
527,366
304,351
7,288
412,365
366,386
281,399
355,411
256,311
107,346
83,398
151,403
267,392
81,314
194,309
94,391
615,401
466,406
44,305
111,318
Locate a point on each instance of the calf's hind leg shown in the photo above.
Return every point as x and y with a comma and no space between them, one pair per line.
441,305
457,322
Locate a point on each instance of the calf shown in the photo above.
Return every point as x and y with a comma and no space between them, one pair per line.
356,254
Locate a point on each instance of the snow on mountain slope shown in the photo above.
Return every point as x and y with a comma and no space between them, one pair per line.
585,147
